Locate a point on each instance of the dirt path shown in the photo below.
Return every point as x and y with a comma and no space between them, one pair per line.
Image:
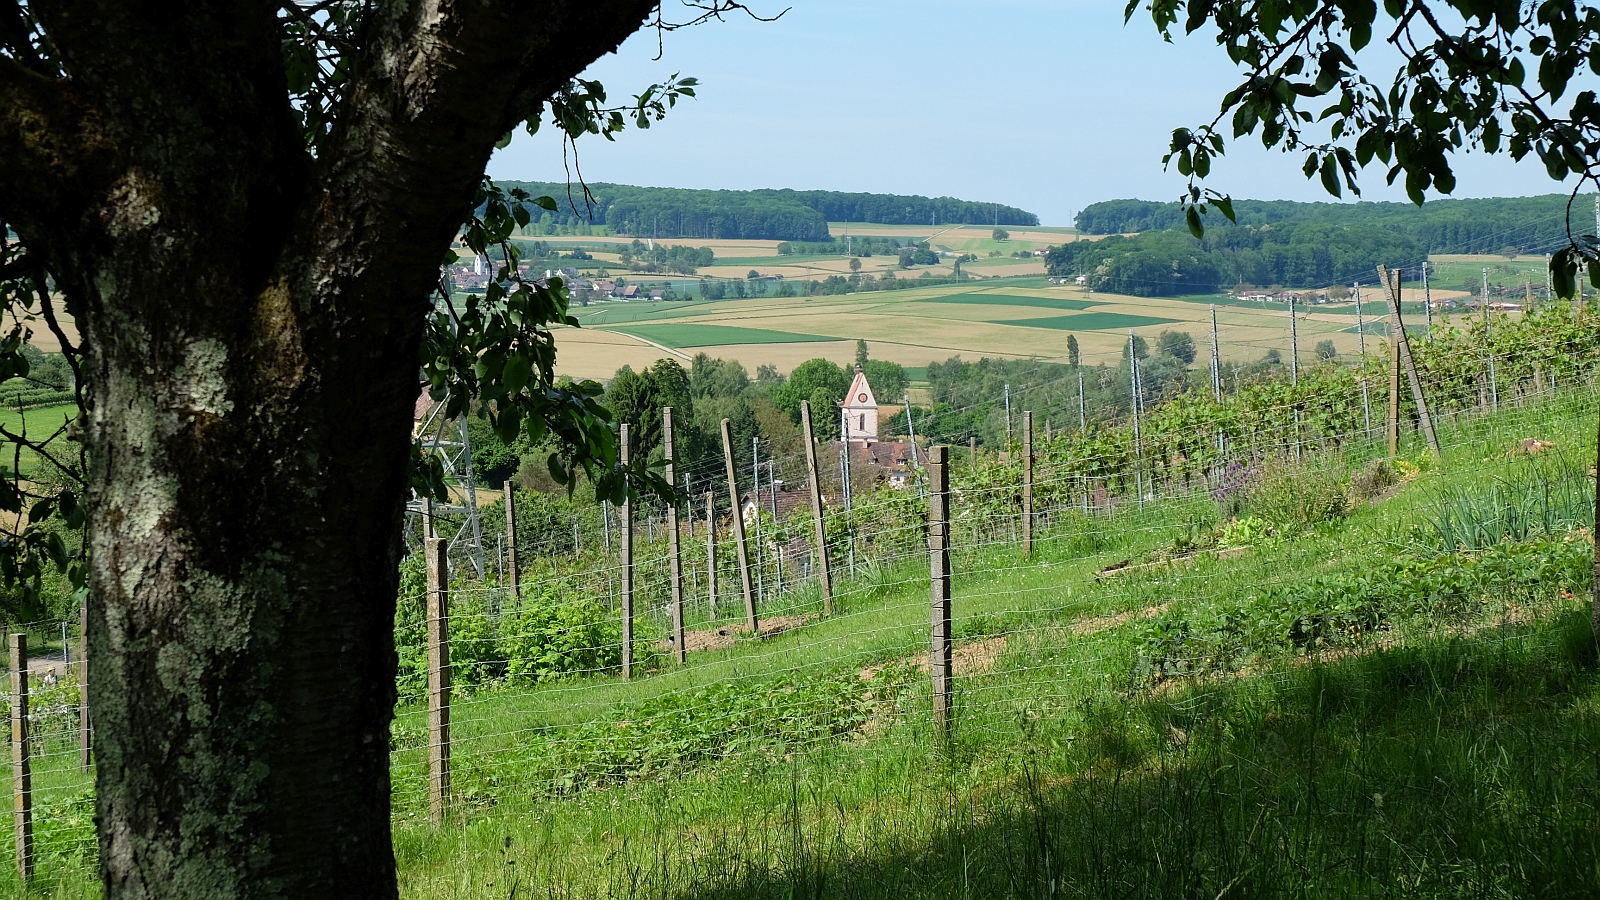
726,636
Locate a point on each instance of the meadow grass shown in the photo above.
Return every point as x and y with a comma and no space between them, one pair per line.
988,299
39,423
716,335
1441,755
1090,321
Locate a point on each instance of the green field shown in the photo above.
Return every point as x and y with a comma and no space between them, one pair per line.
716,335
986,299
1095,321
38,423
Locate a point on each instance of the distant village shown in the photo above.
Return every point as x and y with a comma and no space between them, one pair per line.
474,277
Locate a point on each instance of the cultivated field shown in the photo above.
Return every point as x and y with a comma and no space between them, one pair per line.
1019,319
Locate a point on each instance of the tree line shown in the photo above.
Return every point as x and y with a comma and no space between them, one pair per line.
780,215
1291,254
1493,225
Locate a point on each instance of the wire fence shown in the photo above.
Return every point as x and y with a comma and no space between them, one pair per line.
1126,526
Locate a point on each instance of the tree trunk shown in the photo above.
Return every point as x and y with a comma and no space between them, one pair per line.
251,318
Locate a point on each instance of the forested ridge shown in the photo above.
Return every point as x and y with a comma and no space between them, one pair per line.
1439,226
767,214
1300,245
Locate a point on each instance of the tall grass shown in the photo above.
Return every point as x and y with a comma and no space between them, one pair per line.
1551,496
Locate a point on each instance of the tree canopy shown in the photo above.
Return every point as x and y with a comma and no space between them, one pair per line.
1492,76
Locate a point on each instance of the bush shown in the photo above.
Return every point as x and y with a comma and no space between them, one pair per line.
1291,497
554,636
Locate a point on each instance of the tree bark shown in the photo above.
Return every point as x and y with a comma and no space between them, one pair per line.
251,318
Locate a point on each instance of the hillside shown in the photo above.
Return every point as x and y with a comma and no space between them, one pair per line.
768,214
1489,225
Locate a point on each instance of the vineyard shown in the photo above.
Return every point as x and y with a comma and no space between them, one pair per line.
1227,644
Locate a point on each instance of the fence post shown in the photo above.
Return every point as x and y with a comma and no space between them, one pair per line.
513,571
1404,343
735,513
939,658
1027,483
816,507
711,555
21,771
84,732
438,679
674,546
1394,392
625,532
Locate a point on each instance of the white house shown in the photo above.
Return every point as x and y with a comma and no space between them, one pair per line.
860,410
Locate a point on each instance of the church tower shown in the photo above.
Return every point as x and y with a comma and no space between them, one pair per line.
860,409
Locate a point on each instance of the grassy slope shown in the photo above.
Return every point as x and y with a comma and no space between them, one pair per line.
1456,765
1449,766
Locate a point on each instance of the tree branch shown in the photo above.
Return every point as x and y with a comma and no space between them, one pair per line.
49,148
440,83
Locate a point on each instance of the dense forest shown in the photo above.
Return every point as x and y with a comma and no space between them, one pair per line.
778,215
1293,255
1495,225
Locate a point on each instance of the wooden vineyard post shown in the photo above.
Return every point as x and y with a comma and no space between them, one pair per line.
823,568
939,657
737,516
85,734
513,571
674,545
1404,343
1394,393
1027,483
626,533
711,555
21,765
438,679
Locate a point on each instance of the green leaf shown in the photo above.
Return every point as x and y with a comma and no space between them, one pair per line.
516,373
1330,175
1192,215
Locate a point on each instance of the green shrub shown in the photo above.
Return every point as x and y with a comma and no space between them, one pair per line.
1291,497
1345,608
555,635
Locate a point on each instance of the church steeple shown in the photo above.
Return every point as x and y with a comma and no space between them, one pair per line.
860,410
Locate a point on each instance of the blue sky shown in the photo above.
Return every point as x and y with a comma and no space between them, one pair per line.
1048,106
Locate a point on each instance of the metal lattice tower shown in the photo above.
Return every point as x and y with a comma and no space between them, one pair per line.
448,440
